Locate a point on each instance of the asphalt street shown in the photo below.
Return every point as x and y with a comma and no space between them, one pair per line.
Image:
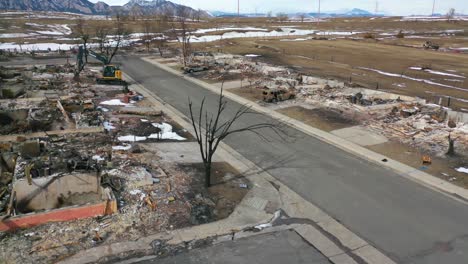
408,222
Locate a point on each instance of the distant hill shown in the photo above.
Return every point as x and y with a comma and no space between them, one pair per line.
356,12
87,7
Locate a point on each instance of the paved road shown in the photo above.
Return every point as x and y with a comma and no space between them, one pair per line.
406,221
276,248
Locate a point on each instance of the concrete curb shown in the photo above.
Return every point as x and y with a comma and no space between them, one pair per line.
326,228
458,193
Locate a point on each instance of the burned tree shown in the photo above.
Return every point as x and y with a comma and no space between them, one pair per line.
212,128
282,17
183,33
451,148
120,35
81,32
302,17
147,33
450,14
100,34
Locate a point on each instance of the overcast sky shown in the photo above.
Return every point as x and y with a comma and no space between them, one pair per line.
393,7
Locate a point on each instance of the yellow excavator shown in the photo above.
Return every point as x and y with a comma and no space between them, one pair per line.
111,74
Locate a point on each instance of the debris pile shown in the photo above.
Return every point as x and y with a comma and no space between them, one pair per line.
67,146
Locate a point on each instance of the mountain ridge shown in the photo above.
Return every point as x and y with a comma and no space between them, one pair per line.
141,7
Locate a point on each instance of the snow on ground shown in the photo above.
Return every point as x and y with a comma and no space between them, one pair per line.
337,33
131,138
207,30
123,147
166,132
461,169
298,39
437,72
114,102
252,55
253,34
432,18
17,35
413,79
36,46
53,29
108,125
98,158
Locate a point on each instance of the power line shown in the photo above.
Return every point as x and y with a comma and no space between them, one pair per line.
433,7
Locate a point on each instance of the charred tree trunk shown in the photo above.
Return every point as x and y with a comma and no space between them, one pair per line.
208,174
451,149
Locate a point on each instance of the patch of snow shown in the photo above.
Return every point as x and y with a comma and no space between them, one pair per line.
114,102
413,79
203,31
432,18
339,33
437,72
144,120
131,138
135,192
108,126
253,34
124,147
98,158
102,109
16,35
166,132
401,85
36,46
298,39
252,55
461,169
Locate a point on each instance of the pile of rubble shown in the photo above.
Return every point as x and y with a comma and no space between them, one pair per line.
407,119
79,158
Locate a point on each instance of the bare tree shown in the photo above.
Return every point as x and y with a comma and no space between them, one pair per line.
212,128
135,12
100,33
199,13
450,14
167,14
302,16
120,35
269,14
451,149
183,33
147,33
82,32
282,17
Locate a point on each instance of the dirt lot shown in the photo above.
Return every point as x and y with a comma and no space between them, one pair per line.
321,118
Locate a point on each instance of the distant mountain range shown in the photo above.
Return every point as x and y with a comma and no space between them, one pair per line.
99,8
356,12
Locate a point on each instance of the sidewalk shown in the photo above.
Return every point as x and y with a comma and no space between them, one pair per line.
266,198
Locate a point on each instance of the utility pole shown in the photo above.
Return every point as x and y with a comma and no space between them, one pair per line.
376,7
238,8
433,7
319,13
